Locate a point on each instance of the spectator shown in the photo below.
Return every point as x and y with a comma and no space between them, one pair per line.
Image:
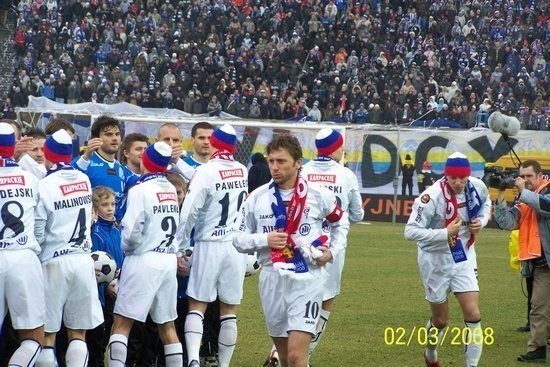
479,53
315,114
214,106
258,174
407,170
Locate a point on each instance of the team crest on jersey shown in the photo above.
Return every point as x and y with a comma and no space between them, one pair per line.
304,229
121,173
425,199
22,240
12,180
230,173
166,196
74,187
317,177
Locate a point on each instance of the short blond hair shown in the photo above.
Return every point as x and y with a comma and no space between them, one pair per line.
99,193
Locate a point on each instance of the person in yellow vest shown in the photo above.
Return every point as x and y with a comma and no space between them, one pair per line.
515,263
531,215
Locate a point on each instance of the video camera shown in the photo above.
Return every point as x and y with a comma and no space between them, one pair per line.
498,177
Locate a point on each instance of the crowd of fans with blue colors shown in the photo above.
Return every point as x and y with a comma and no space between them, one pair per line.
381,62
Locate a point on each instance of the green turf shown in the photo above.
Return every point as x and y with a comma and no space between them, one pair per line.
381,290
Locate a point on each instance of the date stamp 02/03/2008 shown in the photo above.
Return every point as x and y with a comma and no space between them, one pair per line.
420,335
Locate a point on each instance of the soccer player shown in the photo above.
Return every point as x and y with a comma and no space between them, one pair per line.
200,139
38,140
202,149
33,142
99,162
444,221
32,159
281,220
63,219
215,194
131,151
147,283
171,135
22,293
327,171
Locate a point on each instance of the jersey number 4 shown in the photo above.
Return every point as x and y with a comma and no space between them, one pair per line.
79,231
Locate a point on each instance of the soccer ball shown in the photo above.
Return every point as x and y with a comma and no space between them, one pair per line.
186,261
105,267
252,265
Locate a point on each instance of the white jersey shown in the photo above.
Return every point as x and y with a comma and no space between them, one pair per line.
427,221
64,214
30,165
186,167
256,219
341,181
216,192
151,218
18,200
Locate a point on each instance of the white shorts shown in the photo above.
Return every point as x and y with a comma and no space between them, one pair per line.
217,269
290,303
334,270
148,285
441,275
22,289
71,293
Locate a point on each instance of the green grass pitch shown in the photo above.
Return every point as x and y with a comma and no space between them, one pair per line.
377,317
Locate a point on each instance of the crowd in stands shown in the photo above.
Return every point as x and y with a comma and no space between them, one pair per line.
378,61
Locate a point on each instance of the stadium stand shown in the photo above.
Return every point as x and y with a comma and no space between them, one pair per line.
383,62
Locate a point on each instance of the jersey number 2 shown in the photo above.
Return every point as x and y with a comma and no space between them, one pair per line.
168,225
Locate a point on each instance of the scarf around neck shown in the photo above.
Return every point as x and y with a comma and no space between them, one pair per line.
473,203
290,257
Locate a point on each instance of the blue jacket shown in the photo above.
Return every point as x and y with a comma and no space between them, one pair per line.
106,237
111,174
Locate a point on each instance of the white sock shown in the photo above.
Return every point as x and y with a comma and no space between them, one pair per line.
117,350
193,334
26,354
321,325
432,341
227,339
46,358
77,354
475,343
173,355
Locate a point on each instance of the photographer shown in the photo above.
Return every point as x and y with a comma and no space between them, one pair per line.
532,217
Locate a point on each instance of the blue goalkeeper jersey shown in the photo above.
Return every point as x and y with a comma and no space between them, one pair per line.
111,174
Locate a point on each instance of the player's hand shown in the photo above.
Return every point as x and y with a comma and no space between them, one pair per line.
326,257
475,226
454,226
112,289
93,145
183,270
177,151
23,146
277,240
